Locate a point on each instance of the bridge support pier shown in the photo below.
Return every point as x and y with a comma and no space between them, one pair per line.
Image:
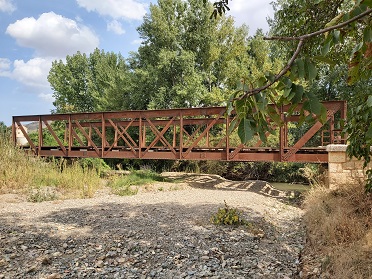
341,169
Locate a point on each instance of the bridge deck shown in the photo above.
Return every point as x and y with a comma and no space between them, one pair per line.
316,155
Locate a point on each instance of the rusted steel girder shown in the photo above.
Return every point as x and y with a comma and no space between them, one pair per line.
177,134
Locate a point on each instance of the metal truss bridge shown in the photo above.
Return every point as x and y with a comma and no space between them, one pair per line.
175,134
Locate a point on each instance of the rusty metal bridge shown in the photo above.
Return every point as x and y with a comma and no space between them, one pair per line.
176,134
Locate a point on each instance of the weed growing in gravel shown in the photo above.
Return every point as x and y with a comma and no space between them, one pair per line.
228,216
42,194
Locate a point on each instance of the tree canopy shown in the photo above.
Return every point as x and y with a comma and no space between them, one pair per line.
90,83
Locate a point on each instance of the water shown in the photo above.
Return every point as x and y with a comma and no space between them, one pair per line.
290,187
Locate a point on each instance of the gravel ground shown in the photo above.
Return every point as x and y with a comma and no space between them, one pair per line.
158,234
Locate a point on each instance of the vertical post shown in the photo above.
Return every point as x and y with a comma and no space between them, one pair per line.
116,138
174,136
144,136
344,116
70,140
14,136
65,137
90,131
40,135
343,110
285,133
140,136
227,138
103,124
281,136
207,138
331,129
181,135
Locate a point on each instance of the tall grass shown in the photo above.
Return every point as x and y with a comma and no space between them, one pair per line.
42,179
339,225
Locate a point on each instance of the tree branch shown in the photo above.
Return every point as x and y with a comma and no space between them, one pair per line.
301,42
322,31
278,76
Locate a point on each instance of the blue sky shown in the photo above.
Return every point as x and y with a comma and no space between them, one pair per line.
34,33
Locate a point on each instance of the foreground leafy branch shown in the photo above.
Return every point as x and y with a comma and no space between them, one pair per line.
300,44
251,100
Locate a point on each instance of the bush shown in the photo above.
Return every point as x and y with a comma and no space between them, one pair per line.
228,216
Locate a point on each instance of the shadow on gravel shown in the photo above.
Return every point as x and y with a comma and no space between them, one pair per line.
212,181
163,240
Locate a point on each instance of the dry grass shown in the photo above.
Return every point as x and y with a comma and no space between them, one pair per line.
42,180
339,224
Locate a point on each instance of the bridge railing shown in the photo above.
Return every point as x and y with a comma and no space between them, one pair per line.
178,134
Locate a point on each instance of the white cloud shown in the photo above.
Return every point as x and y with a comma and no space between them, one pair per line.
253,13
53,35
32,73
116,27
125,9
7,6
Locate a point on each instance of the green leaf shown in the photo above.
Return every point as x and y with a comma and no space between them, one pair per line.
270,77
336,36
326,47
323,115
357,47
357,10
335,20
325,60
369,132
369,101
301,68
240,84
287,92
287,81
299,92
280,85
230,105
311,70
367,34
274,116
245,131
240,106
315,106
367,2
233,125
353,74
261,82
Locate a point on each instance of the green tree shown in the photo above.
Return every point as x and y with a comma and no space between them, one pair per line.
84,83
188,59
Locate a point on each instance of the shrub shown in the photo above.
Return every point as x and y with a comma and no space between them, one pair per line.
228,216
